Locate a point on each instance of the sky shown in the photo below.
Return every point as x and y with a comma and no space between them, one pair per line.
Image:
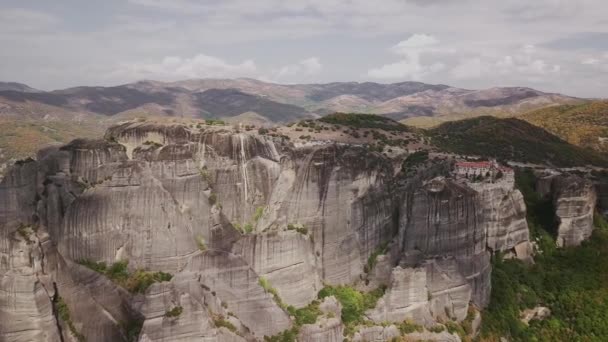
551,45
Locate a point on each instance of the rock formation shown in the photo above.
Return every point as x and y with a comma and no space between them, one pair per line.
574,199
247,224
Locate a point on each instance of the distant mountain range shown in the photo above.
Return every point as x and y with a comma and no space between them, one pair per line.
226,98
31,118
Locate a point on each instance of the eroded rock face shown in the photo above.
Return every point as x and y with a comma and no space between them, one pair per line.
328,326
443,220
406,298
574,199
226,212
287,261
504,214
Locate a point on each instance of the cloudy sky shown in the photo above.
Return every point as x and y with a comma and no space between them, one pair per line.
551,45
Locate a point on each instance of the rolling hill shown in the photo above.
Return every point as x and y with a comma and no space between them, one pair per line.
511,139
584,125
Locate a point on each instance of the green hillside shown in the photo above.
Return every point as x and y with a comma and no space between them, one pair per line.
583,125
511,139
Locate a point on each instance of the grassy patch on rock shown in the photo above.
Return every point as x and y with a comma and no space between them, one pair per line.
118,272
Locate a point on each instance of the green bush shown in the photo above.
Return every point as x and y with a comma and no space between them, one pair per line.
259,211
298,228
364,121
175,312
137,282
371,261
415,159
118,271
599,221
407,327
200,241
269,289
220,321
214,122
354,303
437,328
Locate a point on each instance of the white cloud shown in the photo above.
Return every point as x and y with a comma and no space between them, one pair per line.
416,41
411,66
176,68
524,63
305,67
405,69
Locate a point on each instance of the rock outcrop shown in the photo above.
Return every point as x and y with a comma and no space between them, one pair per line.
575,199
504,214
247,224
328,327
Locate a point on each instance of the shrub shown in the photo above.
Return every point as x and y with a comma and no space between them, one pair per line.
415,159
220,321
437,328
298,228
407,327
371,261
25,232
137,282
153,144
269,289
212,122
205,175
99,267
599,221
259,211
118,271
175,312
354,303
200,241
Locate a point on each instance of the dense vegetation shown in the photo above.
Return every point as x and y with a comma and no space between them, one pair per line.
354,304
510,139
136,282
582,124
572,282
364,121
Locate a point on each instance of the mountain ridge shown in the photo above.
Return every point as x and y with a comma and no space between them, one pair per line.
401,100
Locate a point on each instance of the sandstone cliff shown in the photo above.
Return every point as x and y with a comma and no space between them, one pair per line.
247,224
575,199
